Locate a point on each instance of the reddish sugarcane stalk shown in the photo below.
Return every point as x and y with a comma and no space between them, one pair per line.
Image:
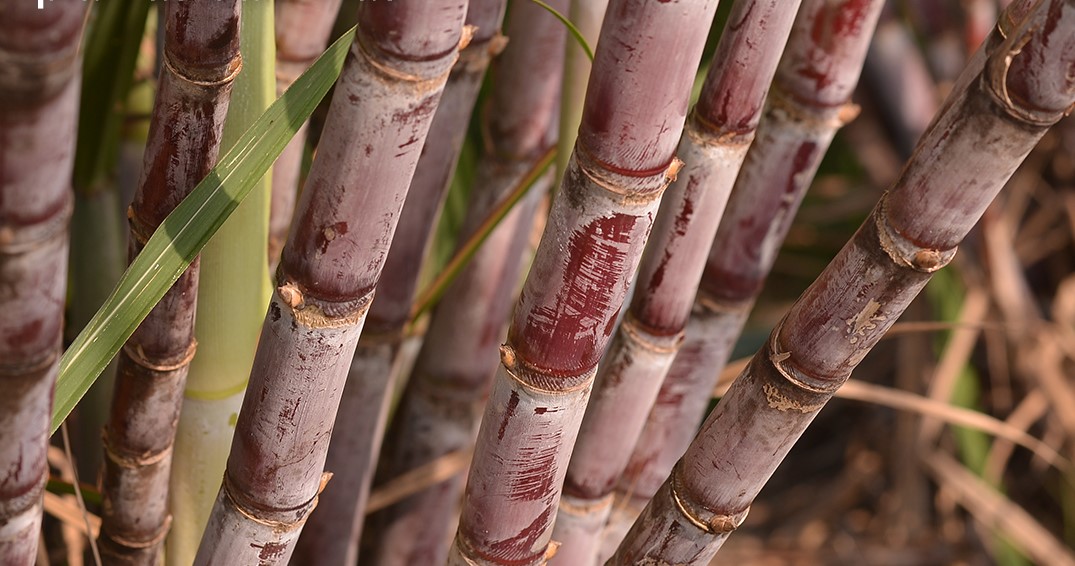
201,58
441,405
302,33
1004,105
335,529
808,102
39,95
623,160
714,143
380,114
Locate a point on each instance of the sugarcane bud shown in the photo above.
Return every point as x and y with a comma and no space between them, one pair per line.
507,356
467,36
550,550
291,295
673,169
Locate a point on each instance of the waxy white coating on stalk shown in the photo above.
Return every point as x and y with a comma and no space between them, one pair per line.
959,166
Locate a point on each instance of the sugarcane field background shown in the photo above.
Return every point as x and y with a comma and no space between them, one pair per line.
521,282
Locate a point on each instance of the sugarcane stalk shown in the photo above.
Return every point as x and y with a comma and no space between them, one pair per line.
714,144
228,322
1004,104
334,531
380,114
303,28
441,405
623,161
587,16
201,59
39,94
808,102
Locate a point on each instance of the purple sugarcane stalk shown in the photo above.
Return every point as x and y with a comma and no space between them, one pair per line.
201,59
635,107
442,403
1003,105
714,143
39,95
808,102
335,529
380,114
303,28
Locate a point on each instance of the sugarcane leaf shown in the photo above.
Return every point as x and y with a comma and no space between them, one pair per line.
189,227
581,39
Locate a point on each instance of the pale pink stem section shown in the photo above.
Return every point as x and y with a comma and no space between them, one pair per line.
807,104
714,143
335,529
303,28
598,225
986,129
384,102
441,406
39,94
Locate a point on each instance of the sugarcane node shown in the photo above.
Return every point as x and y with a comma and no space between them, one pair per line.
627,188
213,78
132,461
389,74
138,544
276,522
708,134
137,355
32,367
784,106
994,81
902,251
540,382
34,78
20,503
707,302
29,238
581,507
640,335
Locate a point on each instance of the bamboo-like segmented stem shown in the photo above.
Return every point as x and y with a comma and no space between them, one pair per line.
986,129
228,322
39,93
808,102
201,59
380,114
587,16
714,143
335,528
622,162
441,405
303,28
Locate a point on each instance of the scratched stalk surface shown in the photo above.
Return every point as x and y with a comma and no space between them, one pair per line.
378,119
714,143
335,528
808,102
303,28
441,406
986,129
599,221
39,90
201,59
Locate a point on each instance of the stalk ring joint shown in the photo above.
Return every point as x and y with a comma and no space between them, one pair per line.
715,524
902,251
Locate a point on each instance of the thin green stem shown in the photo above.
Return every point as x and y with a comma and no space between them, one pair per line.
431,294
581,39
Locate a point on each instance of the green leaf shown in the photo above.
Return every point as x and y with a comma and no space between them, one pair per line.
570,27
187,229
